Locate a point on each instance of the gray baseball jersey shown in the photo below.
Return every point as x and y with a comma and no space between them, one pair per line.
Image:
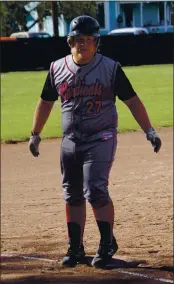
88,95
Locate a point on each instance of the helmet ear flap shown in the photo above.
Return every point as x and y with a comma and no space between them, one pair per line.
97,41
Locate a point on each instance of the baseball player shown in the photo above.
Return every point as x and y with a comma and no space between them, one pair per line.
87,83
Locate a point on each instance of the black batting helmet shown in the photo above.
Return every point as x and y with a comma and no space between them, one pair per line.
84,25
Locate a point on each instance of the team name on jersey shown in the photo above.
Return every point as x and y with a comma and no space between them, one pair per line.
80,90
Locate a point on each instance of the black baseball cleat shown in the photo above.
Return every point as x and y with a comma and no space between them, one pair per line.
73,256
104,254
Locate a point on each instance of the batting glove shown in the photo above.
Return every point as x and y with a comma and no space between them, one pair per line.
154,138
34,144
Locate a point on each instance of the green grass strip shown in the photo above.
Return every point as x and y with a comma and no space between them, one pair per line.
20,92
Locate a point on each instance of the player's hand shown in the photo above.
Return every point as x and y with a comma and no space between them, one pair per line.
34,144
154,138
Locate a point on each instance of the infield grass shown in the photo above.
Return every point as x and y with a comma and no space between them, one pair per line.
20,92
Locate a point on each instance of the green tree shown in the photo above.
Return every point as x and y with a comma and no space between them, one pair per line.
13,15
69,9
72,9
3,16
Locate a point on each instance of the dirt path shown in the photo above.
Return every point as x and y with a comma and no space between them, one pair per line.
33,218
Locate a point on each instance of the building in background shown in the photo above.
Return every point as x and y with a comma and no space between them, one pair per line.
153,15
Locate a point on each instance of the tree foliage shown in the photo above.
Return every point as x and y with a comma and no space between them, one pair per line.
13,15
72,9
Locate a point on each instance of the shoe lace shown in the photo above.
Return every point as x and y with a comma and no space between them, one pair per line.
107,248
70,251
74,250
103,248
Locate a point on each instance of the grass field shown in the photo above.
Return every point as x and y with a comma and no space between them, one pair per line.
20,92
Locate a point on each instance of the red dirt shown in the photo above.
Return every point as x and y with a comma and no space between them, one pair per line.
33,217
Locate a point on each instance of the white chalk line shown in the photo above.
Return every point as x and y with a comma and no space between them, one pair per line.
28,257
120,271
146,276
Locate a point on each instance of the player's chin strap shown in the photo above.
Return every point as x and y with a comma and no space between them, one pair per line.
97,41
154,138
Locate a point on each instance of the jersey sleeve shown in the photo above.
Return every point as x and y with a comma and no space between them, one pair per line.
49,92
122,86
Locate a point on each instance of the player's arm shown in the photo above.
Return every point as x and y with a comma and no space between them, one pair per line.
126,93
43,109
139,112
42,112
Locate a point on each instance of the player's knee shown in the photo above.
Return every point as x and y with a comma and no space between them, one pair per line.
97,196
74,201
99,200
99,203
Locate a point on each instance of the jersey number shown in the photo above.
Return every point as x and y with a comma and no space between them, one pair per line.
93,107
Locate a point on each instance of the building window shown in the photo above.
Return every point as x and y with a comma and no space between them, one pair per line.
101,14
128,12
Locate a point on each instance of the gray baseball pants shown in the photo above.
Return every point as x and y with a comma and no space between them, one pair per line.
85,170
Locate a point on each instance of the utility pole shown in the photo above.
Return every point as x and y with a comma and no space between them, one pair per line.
55,18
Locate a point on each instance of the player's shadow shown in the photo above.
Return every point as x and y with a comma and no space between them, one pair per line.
116,263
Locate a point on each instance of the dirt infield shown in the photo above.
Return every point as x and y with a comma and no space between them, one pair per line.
33,228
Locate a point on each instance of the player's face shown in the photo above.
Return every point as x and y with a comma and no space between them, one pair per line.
83,49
